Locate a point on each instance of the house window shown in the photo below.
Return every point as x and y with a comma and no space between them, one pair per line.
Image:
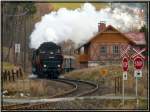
103,49
115,49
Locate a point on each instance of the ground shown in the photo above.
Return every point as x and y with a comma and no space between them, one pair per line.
40,89
94,74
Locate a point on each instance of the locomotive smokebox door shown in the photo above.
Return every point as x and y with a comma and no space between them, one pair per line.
47,60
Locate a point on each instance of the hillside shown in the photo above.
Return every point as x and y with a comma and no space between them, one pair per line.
77,5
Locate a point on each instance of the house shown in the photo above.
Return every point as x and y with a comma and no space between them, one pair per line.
105,46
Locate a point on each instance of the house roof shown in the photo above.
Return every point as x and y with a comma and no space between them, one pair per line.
136,38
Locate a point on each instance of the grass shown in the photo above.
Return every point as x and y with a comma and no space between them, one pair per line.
94,74
143,104
35,88
128,104
108,104
7,66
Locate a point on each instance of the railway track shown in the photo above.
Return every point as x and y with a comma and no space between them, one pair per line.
75,87
80,88
15,106
84,88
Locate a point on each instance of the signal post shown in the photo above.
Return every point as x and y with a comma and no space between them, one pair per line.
138,61
125,57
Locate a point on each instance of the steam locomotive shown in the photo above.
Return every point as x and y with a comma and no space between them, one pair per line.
47,60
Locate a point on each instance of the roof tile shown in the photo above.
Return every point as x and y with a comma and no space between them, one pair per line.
137,37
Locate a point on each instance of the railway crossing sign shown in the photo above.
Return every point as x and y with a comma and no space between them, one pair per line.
138,53
125,63
125,51
137,73
125,76
124,56
138,60
138,65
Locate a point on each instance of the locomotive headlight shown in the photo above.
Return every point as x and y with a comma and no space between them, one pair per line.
44,65
58,65
33,69
42,51
51,53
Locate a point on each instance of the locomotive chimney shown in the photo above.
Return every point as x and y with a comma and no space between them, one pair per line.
101,26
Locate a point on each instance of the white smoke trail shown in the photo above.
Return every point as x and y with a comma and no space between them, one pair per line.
81,24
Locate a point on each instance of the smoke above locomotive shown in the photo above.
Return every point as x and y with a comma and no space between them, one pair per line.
81,24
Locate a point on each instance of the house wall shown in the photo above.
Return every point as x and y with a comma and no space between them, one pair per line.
108,40
83,65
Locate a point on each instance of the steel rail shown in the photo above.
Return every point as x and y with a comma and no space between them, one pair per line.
86,82
65,92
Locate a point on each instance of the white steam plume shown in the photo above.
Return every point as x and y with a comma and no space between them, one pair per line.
81,24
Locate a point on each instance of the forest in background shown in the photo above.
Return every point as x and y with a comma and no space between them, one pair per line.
18,20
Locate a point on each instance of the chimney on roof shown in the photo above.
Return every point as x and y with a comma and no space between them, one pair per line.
101,26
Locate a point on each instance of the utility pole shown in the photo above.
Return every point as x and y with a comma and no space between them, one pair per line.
70,59
24,60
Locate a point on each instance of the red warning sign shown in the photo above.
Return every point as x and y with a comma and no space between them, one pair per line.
138,62
125,63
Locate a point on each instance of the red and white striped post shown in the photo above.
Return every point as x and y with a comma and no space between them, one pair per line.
138,60
124,56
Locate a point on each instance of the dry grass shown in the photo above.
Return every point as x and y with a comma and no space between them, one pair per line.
7,66
36,88
96,104
128,104
85,74
94,75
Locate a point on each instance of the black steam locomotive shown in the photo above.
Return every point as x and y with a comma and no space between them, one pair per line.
47,60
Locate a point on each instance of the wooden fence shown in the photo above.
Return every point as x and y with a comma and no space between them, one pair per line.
118,84
11,75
